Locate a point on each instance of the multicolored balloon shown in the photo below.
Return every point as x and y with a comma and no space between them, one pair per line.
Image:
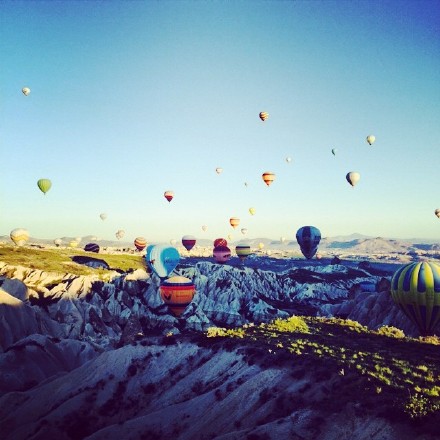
353,177
308,238
242,251
234,222
263,116
415,288
162,259
222,254
220,242
371,139
268,177
168,195
44,185
177,292
140,243
19,236
92,247
188,242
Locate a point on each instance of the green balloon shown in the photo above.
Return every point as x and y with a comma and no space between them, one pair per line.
44,185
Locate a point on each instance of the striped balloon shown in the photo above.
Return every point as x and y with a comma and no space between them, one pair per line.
234,222
263,116
188,242
415,288
177,292
92,247
242,251
44,185
268,177
140,243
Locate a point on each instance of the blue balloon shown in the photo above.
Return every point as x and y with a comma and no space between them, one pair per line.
308,238
162,259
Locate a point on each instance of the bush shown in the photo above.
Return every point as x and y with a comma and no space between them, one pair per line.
292,324
391,332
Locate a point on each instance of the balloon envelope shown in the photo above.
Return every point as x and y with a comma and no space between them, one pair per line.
308,238
44,185
188,242
288,159
103,216
140,243
415,288
219,170
371,139
204,228
220,242
234,222
244,231
26,91
177,292
168,195
263,116
222,254
437,212
242,251
334,150
268,177
162,259
19,236
353,177
252,211
91,247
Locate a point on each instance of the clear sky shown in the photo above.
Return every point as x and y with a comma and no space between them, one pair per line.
130,99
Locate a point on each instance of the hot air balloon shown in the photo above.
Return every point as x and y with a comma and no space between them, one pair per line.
103,216
268,178
371,139
260,246
168,195
162,259
230,237
263,116
92,247
188,242
220,242
252,211
282,239
44,185
119,234
140,243
219,170
173,241
242,251
234,222
334,150
73,244
19,236
26,91
353,178
246,184
244,231
58,242
204,228
177,292
222,254
415,288
288,159
437,212
308,238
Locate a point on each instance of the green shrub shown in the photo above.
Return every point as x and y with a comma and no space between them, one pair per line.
291,325
391,332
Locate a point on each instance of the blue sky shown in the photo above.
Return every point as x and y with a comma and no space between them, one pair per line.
130,99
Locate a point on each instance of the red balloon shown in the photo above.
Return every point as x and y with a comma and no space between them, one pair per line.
220,242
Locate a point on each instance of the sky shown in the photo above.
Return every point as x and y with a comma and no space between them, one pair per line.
131,99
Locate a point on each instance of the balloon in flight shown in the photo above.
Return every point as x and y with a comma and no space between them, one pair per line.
288,159
334,150
162,259
222,254
252,211
260,245
168,195
188,242
308,238
234,222
19,236
44,185
220,242
437,212
177,292
58,242
263,116
353,177
244,231
242,251
26,91
415,288
219,170
268,177
204,228
73,244
103,216
371,139
119,234
140,243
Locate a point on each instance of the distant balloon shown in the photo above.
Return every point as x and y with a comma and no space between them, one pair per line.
119,234
92,247
220,242
169,195
222,254
73,244
140,243
19,236
177,292
204,228
26,91
44,185
162,259
371,139
268,178
244,231
260,246
334,150
437,212
246,184
219,170
353,178
230,237
288,159
173,241
308,238
252,211
58,242
282,239
188,242
242,251
415,288
103,216
234,222
263,116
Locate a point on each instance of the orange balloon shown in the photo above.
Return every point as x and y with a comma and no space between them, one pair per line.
268,177
234,221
